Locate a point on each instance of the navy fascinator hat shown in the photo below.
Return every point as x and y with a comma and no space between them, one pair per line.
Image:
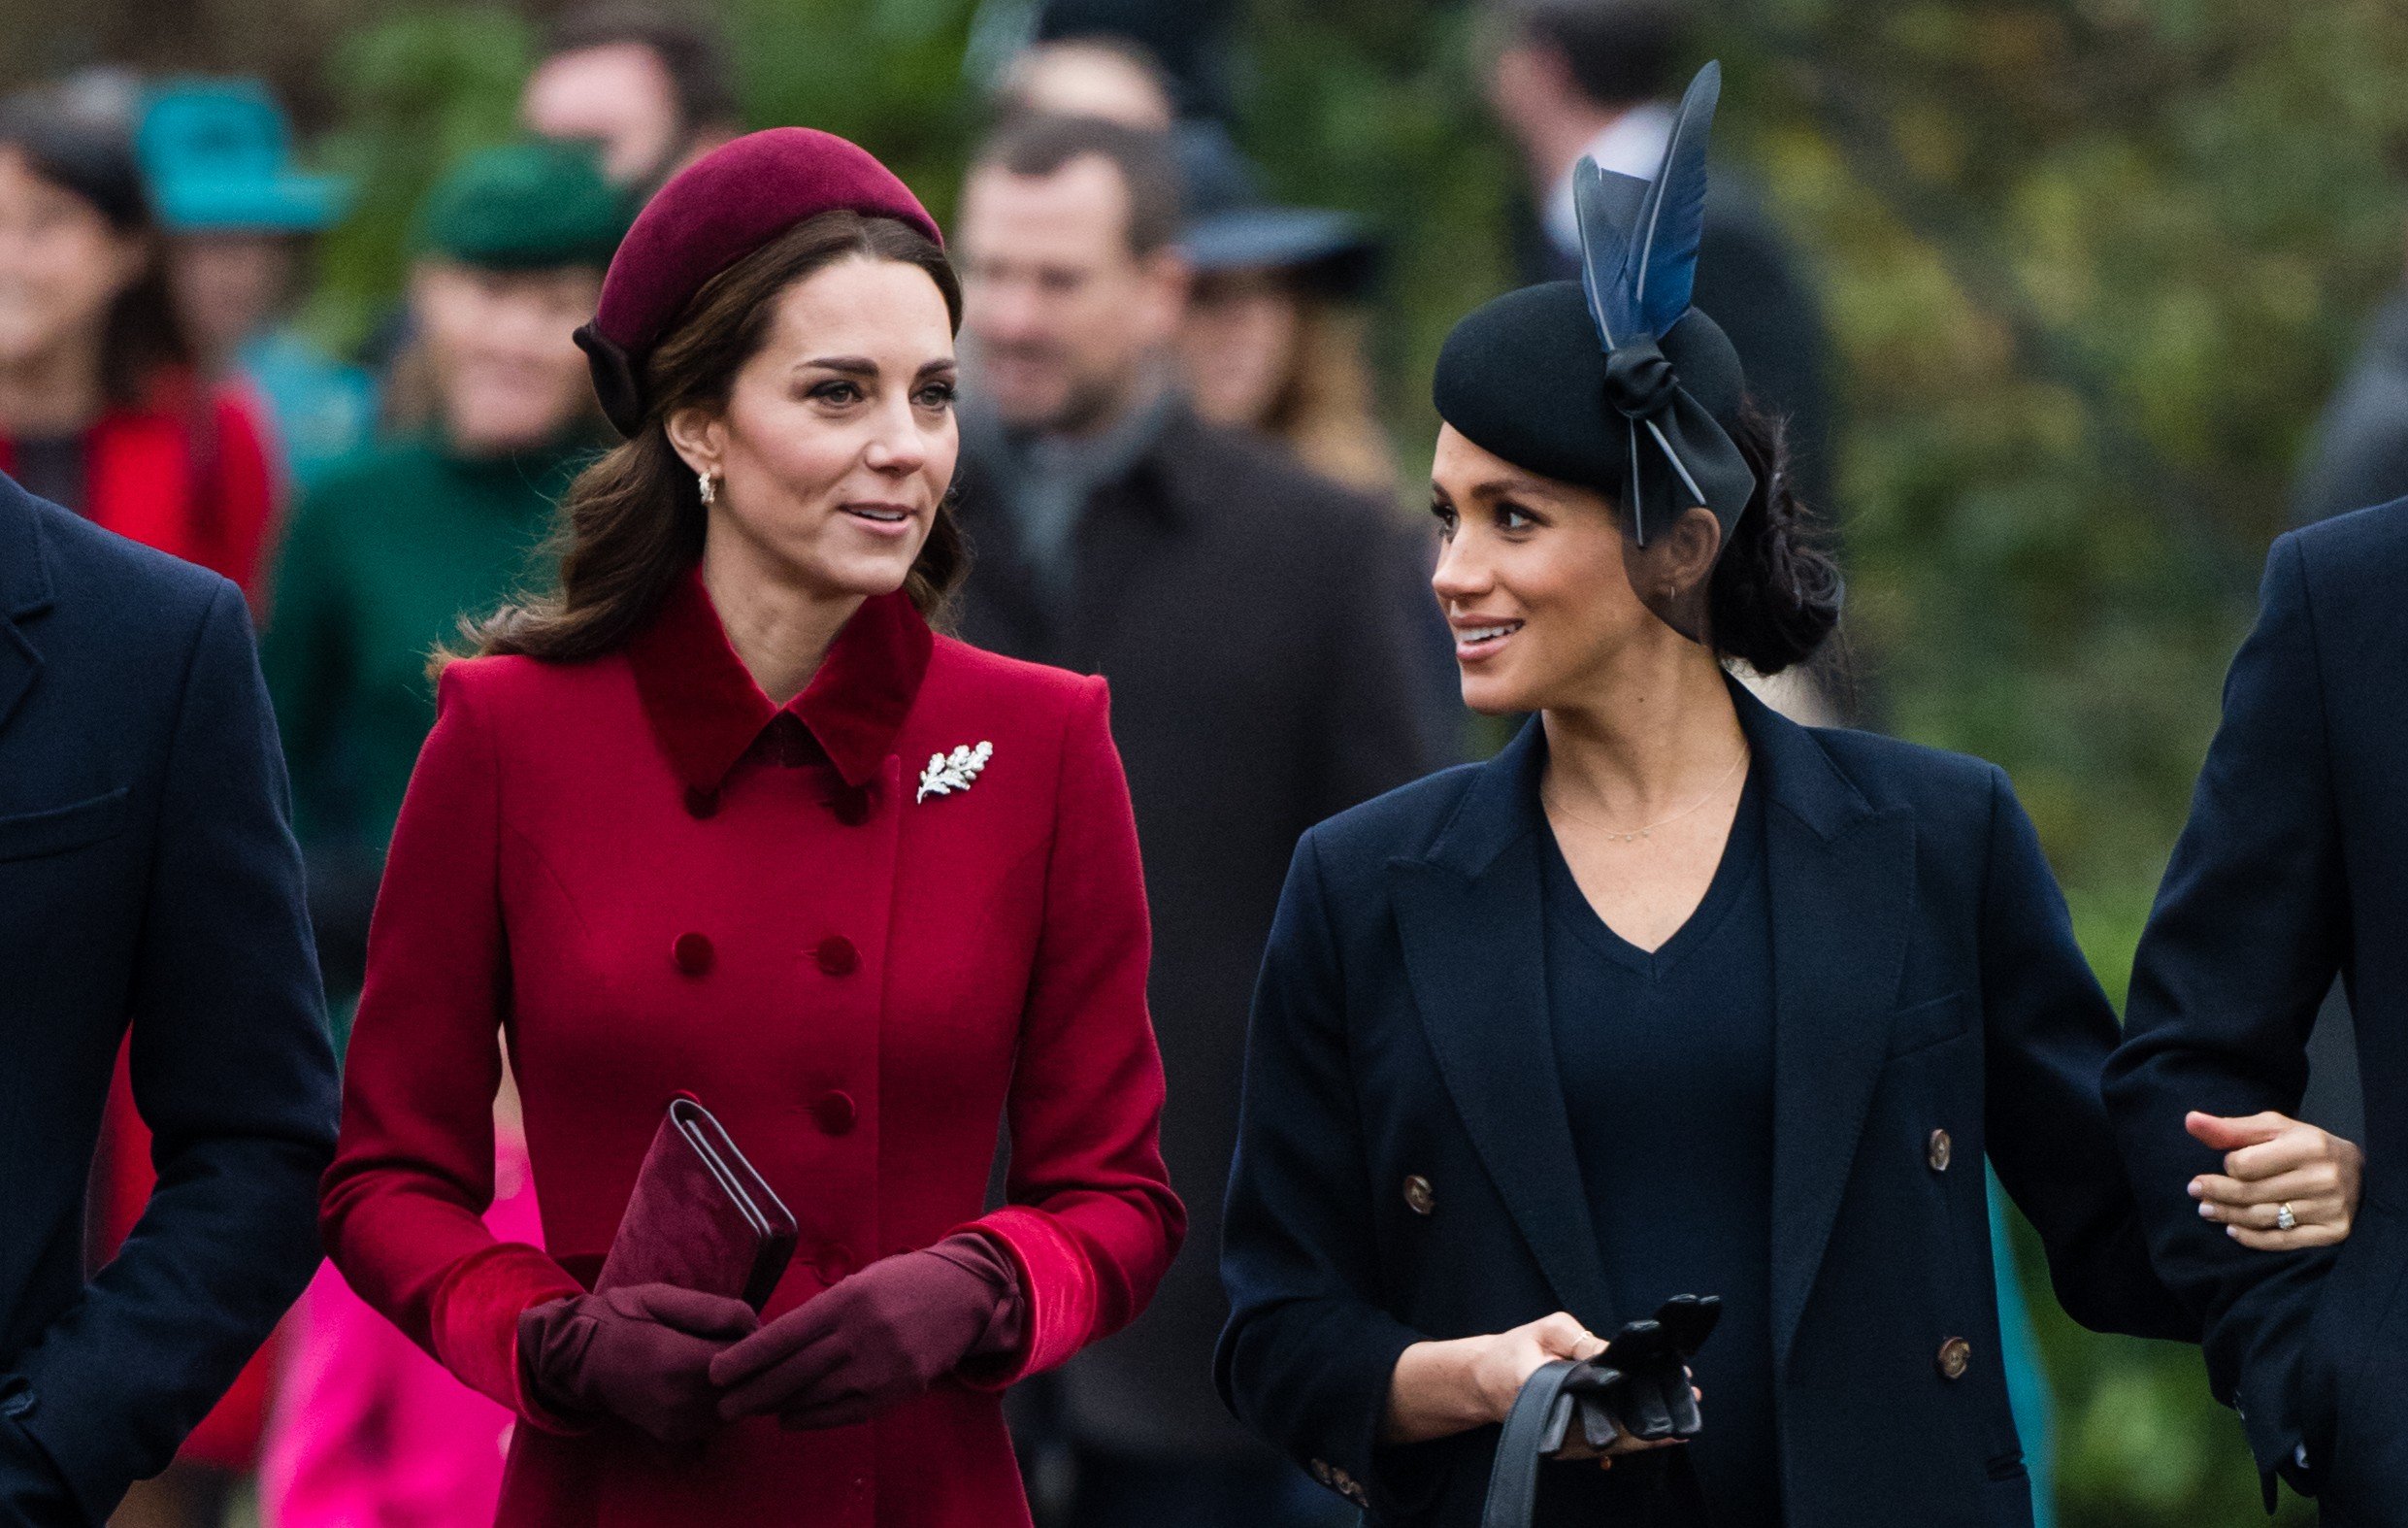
1615,383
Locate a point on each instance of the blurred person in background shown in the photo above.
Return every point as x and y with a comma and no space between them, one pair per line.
104,411
1273,341
393,547
652,90
1190,43
1569,77
1105,76
1247,614
239,218
1273,335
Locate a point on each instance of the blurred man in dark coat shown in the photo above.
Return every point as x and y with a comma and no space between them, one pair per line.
148,881
1255,623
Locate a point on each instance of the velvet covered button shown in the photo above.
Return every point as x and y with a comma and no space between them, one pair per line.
1939,1151
1956,1355
701,803
831,1264
837,956
692,953
834,1113
852,806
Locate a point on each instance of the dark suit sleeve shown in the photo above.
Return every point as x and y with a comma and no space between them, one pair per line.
233,1074
2243,945
2048,1033
1307,1358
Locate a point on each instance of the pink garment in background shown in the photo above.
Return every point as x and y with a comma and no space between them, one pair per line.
368,1431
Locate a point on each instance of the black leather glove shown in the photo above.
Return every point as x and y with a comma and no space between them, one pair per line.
1638,1387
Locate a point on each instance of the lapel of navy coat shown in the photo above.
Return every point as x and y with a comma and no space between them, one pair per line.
148,886
1406,1164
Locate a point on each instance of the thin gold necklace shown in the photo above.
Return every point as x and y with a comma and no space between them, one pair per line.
1633,835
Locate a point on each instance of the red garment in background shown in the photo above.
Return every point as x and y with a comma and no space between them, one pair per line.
185,473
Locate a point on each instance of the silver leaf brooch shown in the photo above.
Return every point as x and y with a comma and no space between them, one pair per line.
947,773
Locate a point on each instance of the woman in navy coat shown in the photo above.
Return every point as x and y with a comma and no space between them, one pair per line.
1672,996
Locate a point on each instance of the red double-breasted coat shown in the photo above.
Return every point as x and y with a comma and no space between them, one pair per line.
649,880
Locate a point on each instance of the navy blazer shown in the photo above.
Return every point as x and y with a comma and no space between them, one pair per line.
147,879
1925,980
2293,868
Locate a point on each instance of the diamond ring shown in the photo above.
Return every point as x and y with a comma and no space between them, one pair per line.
2284,1220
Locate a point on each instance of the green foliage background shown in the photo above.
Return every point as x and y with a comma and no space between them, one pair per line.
2090,266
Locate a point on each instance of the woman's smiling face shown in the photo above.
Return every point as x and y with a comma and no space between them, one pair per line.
837,440
1531,578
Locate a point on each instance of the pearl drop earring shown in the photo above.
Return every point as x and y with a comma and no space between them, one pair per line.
710,486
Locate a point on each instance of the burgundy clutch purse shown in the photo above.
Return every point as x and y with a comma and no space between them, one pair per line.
700,1218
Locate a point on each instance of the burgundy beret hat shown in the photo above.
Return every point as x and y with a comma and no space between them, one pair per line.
710,215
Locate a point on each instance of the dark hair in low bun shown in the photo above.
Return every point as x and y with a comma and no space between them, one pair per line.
1776,593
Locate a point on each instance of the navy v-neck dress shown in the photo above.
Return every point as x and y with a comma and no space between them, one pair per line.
1666,1067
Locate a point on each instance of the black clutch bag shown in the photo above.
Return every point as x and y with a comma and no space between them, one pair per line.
1571,1408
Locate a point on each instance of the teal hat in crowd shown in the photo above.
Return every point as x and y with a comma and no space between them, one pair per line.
525,206
217,156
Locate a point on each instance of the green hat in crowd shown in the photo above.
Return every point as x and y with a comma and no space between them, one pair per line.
526,206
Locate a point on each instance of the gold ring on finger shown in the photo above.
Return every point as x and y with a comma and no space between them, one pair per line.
2284,1220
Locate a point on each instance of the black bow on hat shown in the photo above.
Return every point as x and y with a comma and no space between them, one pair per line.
1638,264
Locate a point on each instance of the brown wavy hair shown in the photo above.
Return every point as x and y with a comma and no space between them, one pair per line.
632,523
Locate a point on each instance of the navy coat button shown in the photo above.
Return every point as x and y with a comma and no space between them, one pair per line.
836,956
1956,1355
692,953
701,803
834,1113
1939,1151
1419,1196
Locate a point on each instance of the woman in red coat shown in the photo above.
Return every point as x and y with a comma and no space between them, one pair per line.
725,819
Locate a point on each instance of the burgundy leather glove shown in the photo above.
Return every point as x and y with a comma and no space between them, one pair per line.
878,1339
640,1353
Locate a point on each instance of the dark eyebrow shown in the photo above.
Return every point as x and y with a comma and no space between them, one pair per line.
863,366
1516,486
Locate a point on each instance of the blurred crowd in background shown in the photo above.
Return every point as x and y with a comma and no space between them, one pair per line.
2063,303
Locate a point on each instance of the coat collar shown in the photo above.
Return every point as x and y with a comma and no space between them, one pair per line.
706,710
1842,881
24,563
25,592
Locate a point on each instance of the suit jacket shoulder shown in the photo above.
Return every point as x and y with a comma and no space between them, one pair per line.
2353,565
156,595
